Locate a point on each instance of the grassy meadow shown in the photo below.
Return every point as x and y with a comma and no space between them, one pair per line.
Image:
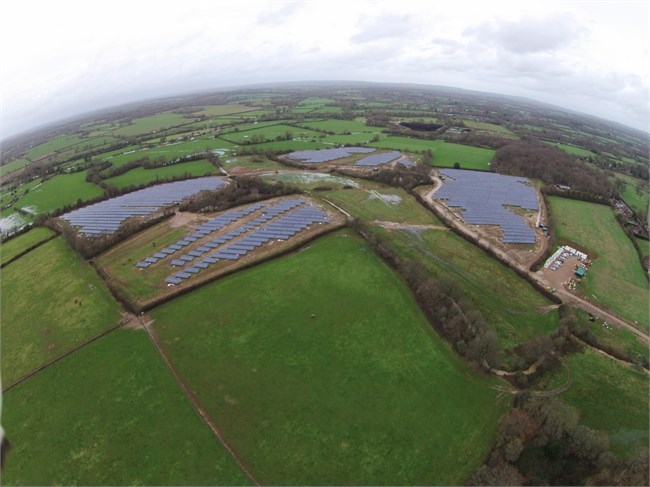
110,414
58,191
445,154
321,370
17,245
142,175
615,280
51,300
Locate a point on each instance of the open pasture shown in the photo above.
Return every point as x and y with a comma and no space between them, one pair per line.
611,397
221,110
513,308
269,133
13,166
58,191
488,127
615,280
110,414
340,126
635,193
151,124
17,245
321,370
51,300
445,154
140,175
382,204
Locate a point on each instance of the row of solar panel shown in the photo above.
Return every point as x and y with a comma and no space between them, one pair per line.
106,217
217,223
325,155
482,197
378,159
280,230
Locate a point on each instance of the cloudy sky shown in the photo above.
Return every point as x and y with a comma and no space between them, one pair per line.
62,58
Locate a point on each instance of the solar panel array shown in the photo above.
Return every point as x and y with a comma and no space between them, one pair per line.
325,155
205,229
105,217
280,221
482,197
379,159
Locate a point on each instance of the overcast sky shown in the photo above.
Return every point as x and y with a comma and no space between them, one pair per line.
62,58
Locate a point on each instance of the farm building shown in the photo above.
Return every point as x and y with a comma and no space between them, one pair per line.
580,272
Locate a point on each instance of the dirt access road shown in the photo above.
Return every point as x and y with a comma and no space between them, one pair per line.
564,294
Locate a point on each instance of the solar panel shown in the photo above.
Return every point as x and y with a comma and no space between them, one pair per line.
378,159
183,275
483,198
191,270
143,264
106,216
178,262
172,280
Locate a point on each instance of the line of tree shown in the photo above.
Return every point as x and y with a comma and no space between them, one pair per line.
244,189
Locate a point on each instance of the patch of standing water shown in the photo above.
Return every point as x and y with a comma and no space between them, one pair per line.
11,223
309,178
393,199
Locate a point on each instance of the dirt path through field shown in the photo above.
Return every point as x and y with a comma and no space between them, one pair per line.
146,324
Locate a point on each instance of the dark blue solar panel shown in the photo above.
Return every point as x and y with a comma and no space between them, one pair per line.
324,155
483,197
378,159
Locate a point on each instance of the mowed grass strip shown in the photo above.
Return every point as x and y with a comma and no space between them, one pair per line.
61,190
17,245
611,397
321,370
141,175
51,301
513,308
382,204
445,154
110,414
615,280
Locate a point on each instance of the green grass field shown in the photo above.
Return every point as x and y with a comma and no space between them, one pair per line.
645,246
141,175
250,162
289,145
58,191
637,200
445,154
620,339
13,247
321,370
110,414
573,150
514,309
51,300
615,280
52,145
167,151
158,122
220,110
361,138
13,166
385,204
269,133
611,397
340,126
489,127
